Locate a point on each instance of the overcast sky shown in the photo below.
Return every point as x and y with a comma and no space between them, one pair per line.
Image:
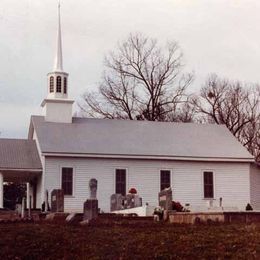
220,36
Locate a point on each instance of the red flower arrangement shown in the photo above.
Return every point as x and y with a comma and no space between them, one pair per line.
132,191
177,206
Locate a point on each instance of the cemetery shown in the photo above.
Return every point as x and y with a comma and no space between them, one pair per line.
131,229
166,231
129,207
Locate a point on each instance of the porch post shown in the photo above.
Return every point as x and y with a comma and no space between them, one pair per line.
1,190
27,195
34,195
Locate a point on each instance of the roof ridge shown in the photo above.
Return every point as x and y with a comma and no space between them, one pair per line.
134,121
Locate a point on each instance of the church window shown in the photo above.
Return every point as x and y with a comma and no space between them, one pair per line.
65,86
208,185
58,84
165,179
51,84
67,180
121,181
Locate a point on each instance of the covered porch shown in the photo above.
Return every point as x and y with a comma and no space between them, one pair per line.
29,177
20,163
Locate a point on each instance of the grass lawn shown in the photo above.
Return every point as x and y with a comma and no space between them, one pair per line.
127,241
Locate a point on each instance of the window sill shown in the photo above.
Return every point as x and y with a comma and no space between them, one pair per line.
69,196
209,199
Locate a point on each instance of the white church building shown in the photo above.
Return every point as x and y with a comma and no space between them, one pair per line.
200,162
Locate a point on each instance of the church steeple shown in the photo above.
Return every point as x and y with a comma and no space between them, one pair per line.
58,79
57,105
58,62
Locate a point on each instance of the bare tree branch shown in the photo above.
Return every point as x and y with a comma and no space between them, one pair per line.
235,105
142,81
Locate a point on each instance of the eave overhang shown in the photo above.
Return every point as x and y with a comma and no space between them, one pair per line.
148,157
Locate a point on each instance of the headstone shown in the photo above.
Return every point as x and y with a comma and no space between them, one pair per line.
138,201
93,188
74,218
119,202
50,217
57,217
90,207
124,203
23,208
18,209
84,222
165,199
57,200
133,201
220,202
156,218
129,201
45,204
116,202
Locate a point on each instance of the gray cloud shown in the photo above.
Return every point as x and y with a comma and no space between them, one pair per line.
215,35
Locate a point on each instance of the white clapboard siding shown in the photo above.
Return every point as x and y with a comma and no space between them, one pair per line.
40,180
231,180
255,186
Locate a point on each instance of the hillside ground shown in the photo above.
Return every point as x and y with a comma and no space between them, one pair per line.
128,241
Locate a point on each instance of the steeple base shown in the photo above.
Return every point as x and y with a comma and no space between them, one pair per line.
58,110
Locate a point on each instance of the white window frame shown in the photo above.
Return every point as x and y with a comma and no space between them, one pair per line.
127,182
53,85
63,85
165,169
58,76
73,180
214,184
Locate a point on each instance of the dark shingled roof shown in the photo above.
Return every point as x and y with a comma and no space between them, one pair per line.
19,154
138,138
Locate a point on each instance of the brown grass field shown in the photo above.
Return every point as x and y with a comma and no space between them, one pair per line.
129,241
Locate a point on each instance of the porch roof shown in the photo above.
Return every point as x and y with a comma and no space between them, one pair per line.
19,155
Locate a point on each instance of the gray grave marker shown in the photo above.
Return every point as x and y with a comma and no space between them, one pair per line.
165,199
116,202
91,205
57,200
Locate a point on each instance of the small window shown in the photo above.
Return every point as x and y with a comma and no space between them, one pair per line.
165,179
58,84
208,185
65,85
67,180
51,84
121,181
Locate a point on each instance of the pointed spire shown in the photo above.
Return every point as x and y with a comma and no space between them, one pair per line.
58,63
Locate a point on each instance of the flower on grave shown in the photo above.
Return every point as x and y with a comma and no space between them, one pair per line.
132,191
177,206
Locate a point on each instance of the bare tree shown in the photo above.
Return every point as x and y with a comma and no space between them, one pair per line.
234,104
142,81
